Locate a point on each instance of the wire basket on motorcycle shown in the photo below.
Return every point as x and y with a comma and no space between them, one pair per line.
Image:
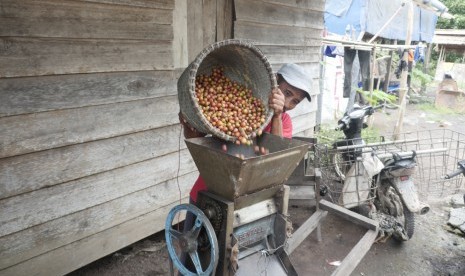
352,167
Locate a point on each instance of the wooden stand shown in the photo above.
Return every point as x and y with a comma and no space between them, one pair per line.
350,262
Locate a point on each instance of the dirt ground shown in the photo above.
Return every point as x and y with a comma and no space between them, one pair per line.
433,250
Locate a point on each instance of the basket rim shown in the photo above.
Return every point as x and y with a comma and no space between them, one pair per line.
193,73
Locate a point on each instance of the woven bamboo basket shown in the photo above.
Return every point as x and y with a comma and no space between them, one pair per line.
242,62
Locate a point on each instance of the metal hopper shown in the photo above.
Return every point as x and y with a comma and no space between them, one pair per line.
231,177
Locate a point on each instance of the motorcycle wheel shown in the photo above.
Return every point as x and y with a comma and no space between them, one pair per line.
397,209
339,166
408,220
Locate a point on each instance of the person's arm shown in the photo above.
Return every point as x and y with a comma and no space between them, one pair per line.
276,102
287,125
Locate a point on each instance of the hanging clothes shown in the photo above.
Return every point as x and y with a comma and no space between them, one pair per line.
364,60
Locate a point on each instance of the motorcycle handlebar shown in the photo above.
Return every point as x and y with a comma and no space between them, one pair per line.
453,174
357,114
339,126
378,106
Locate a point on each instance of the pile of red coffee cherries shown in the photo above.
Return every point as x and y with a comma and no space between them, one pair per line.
229,106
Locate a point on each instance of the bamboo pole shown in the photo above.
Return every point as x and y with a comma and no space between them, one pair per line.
359,45
388,73
372,69
427,58
372,82
403,79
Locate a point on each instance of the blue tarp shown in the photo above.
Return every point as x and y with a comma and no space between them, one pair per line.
371,16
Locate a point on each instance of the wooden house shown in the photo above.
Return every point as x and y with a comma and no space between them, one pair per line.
91,153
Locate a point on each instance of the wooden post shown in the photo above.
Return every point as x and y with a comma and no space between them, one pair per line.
224,19
372,81
180,35
388,73
403,79
427,58
372,75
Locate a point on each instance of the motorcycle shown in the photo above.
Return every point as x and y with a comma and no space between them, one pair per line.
460,170
377,185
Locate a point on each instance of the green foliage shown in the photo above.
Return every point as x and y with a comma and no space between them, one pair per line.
327,135
450,57
371,135
377,97
457,9
433,111
420,79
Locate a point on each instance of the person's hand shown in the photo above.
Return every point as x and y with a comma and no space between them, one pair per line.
276,101
189,131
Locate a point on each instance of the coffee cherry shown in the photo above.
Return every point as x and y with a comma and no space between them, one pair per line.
229,106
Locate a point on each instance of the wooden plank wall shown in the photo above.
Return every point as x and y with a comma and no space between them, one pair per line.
91,158
90,153
286,31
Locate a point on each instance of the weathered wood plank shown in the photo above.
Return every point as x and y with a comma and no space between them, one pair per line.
306,133
51,56
26,133
268,34
88,191
313,69
46,93
29,172
64,230
194,29
74,255
83,20
349,215
291,54
357,253
304,122
277,14
302,192
209,21
158,4
224,19
317,5
304,230
180,36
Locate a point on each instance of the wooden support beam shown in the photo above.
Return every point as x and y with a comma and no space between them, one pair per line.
349,215
426,64
403,80
364,45
372,69
388,73
357,253
304,230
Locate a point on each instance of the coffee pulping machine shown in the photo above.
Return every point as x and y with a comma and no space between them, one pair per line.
241,223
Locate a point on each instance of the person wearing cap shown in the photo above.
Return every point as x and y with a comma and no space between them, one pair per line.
294,85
